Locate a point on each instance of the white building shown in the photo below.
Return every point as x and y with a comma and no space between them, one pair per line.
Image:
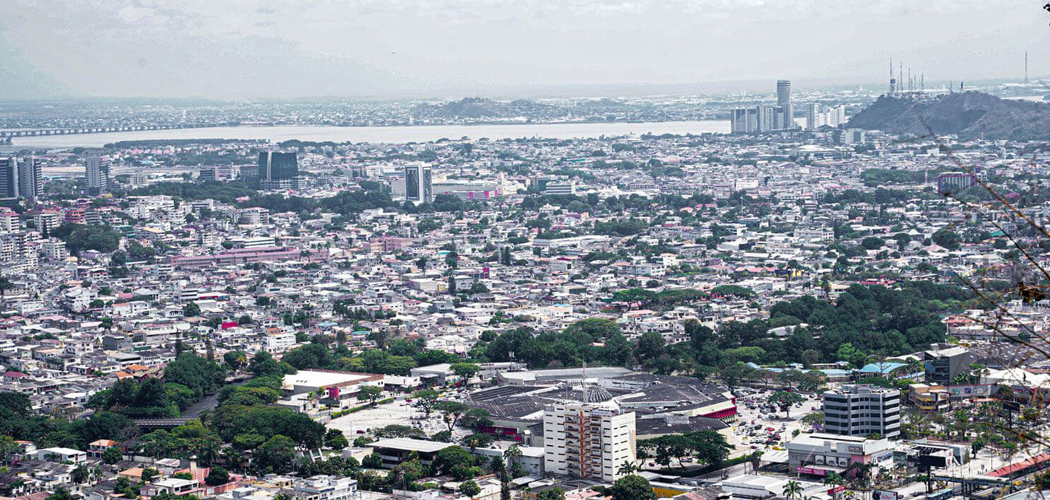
587,440
97,171
862,410
325,488
62,455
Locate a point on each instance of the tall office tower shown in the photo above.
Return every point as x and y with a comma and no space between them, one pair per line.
588,440
784,101
419,183
8,178
275,166
97,170
278,170
860,410
30,178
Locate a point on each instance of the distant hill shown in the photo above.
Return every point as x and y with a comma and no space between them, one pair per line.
480,108
970,115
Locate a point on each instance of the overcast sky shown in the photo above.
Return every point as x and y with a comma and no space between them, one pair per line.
282,48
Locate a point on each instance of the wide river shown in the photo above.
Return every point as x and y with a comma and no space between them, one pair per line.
392,135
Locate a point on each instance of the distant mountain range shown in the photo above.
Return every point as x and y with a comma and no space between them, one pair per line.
970,115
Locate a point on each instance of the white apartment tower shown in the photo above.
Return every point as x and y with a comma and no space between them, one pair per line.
97,171
587,440
862,410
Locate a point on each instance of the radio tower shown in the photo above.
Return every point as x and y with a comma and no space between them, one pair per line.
900,74
1026,67
893,81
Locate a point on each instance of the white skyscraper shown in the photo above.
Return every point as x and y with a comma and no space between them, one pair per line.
588,440
97,171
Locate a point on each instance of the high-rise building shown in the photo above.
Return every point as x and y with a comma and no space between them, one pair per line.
21,178
278,166
419,183
863,410
97,170
278,170
8,178
588,440
31,177
765,118
784,102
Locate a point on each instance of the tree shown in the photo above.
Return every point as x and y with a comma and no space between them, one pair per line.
650,346
275,455
191,310
202,376
553,493
80,474
112,455
236,360
369,393
149,474
451,412
216,476
785,400
335,439
627,468
792,489
61,493
465,370
426,399
469,488
632,488
373,461
452,458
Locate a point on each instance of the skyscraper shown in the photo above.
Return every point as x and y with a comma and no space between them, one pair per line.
765,118
8,178
30,178
419,183
278,170
97,170
784,102
20,178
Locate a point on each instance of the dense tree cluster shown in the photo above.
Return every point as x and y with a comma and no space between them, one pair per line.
80,237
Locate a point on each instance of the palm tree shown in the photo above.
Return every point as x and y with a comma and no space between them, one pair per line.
792,489
627,468
512,454
833,479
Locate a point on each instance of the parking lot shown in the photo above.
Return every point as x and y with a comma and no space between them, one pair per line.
760,426
399,412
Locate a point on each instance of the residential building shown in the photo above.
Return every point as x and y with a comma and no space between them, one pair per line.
588,440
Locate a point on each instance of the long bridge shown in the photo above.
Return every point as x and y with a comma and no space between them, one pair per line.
7,135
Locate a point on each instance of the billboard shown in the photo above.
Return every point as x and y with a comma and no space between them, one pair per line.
932,461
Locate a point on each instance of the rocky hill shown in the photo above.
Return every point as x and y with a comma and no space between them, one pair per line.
474,108
970,115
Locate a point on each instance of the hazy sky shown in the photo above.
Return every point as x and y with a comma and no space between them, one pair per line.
284,48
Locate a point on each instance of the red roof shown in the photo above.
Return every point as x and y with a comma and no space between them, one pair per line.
1020,466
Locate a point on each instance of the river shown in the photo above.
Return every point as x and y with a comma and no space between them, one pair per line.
391,135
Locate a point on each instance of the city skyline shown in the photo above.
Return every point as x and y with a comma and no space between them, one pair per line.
253,50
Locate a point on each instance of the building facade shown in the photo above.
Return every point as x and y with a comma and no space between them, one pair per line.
863,410
587,440
97,170
419,183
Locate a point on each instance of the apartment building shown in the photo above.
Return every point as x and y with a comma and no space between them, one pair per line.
587,440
